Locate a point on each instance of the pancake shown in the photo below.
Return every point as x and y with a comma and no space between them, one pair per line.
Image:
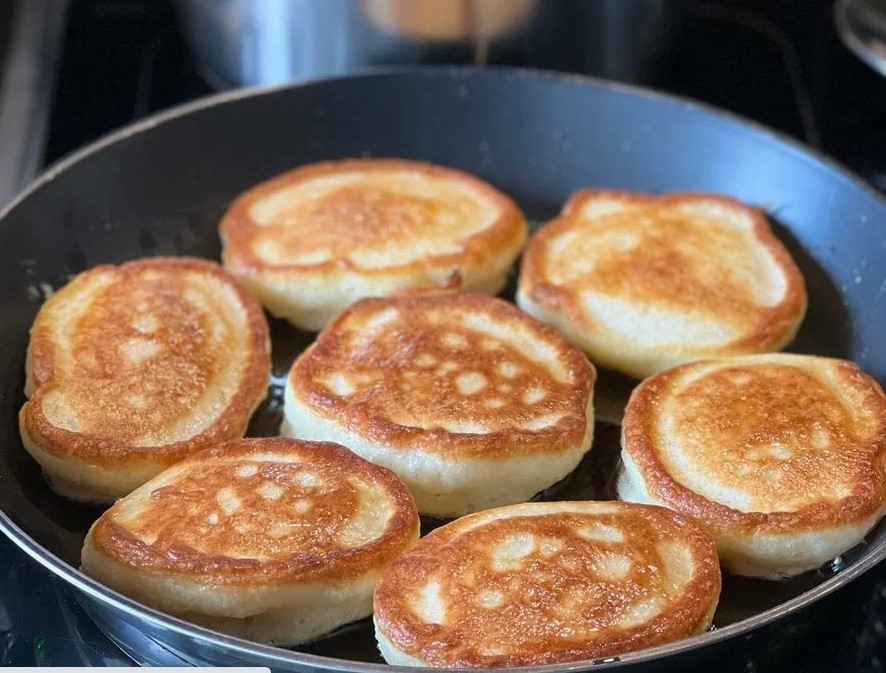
131,368
781,458
274,540
643,283
547,583
312,241
471,402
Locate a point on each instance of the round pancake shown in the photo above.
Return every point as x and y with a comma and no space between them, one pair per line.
471,402
312,241
781,458
131,368
546,583
275,540
643,283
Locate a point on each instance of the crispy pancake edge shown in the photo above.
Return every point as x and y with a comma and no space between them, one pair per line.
681,619
776,326
109,452
567,433
119,545
637,440
237,230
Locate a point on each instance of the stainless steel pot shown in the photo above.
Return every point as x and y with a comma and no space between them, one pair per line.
248,42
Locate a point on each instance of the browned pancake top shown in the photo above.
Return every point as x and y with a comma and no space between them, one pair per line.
760,442
372,214
707,264
354,216
168,351
455,374
549,582
262,511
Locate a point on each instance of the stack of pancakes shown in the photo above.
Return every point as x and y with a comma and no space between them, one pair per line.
424,394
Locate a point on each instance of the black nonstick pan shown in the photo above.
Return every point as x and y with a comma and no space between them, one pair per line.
160,187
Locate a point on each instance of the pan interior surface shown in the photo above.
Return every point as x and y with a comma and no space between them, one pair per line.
162,188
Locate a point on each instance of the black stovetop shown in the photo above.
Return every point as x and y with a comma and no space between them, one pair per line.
779,63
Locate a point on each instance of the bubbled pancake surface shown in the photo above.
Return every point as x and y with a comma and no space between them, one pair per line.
645,281
371,216
768,443
154,358
544,583
262,512
456,374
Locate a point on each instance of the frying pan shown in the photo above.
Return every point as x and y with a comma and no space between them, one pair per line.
160,187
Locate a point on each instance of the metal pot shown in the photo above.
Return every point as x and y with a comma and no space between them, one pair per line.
244,42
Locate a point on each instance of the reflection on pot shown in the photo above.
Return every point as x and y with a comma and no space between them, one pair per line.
241,42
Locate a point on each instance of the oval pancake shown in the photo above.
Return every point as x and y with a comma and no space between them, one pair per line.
643,283
312,241
546,583
781,458
131,368
470,401
275,540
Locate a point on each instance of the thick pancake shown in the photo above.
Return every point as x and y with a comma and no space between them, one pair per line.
313,240
781,458
546,583
470,401
131,368
643,283
273,539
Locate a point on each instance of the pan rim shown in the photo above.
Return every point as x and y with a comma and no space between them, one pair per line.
799,148
94,590
98,592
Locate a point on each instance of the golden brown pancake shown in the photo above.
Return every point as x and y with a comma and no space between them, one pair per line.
547,583
643,283
470,401
272,539
313,240
131,368
781,458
